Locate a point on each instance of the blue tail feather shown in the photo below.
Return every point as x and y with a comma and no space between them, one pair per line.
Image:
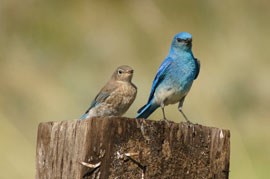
84,116
146,110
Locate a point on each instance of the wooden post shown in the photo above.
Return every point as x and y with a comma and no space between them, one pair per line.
131,149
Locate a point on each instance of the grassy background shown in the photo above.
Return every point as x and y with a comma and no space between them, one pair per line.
55,56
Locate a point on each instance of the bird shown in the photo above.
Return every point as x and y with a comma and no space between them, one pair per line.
115,98
174,77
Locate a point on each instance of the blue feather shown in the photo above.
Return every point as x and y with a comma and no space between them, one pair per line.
160,76
174,77
146,110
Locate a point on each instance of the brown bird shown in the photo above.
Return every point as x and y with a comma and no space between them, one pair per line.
115,98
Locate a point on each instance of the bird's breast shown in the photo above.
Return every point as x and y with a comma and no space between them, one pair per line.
128,92
182,73
117,102
176,83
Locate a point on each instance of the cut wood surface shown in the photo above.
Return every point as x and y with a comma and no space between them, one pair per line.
117,147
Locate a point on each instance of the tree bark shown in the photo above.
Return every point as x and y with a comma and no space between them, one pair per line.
131,148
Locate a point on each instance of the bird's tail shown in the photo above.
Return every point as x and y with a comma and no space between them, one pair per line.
146,110
84,116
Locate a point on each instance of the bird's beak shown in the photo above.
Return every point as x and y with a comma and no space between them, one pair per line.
188,41
130,71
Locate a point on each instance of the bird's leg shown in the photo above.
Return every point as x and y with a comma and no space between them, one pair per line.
181,111
163,111
188,121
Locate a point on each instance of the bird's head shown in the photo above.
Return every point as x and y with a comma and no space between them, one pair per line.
182,41
123,73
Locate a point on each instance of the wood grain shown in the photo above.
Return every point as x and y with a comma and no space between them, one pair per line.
166,150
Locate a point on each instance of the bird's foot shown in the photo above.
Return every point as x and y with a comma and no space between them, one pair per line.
166,120
189,122
185,117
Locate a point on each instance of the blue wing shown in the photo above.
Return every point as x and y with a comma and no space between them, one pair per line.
160,76
198,66
102,96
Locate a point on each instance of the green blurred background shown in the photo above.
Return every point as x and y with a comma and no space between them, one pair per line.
56,55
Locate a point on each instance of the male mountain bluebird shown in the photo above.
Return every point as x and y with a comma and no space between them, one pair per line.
174,77
115,97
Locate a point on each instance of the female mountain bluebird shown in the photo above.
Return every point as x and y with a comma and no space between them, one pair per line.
115,97
174,77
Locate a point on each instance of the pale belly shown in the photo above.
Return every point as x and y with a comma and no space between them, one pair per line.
170,95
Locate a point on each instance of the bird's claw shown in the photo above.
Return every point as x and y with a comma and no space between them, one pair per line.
189,122
185,117
167,121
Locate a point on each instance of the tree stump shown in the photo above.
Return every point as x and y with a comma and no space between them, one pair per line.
131,148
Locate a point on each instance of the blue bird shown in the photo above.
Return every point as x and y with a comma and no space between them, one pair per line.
115,98
174,77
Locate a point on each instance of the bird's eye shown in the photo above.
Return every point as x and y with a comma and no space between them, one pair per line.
120,72
178,39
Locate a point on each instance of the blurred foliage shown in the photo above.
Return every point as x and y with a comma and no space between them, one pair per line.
56,55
